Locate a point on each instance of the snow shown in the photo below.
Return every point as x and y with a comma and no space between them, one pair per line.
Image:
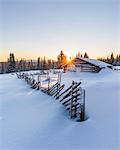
95,62
116,67
31,120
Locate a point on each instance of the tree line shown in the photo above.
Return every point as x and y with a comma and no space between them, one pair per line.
114,60
13,65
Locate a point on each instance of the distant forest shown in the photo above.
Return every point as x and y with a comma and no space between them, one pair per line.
13,65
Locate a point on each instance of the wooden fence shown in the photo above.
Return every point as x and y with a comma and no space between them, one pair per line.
73,98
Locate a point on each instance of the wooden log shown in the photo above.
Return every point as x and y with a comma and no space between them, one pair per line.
70,88
59,77
43,89
50,88
53,87
68,103
58,92
77,112
73,106
65,91
60,89
82,114
38,85
32,81
34,85
71,102
54,90
68,100
76,99
48,84
68,96
74,91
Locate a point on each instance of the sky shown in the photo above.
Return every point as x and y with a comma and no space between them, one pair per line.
38,28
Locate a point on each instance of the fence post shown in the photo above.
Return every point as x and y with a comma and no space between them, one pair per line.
48,84
38,77
75,110
59,77
32,76
39,82
58,86
58,91
71,105
82,114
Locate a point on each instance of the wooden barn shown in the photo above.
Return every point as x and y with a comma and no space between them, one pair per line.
89,65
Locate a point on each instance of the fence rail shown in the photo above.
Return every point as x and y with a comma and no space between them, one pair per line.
73,98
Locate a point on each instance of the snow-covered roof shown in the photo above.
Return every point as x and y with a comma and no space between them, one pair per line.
95,62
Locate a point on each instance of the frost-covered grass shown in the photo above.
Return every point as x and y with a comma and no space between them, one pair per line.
29,119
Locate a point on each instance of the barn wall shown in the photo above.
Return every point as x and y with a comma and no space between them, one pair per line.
83,66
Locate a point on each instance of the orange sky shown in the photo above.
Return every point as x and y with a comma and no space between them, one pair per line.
34,55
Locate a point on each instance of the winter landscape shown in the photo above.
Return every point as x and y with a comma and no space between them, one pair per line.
29,119
59,75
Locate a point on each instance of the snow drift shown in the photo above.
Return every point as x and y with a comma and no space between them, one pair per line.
29,119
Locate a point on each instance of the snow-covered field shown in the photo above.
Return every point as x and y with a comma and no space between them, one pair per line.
31,120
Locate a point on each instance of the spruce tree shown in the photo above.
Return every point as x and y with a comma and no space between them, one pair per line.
44,64
112,57
11,64
38,63
62,60
86,55
2,68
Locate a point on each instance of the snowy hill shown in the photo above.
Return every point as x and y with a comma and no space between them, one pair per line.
31,120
